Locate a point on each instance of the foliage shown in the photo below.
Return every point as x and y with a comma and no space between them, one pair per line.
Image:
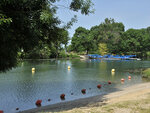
26,23
73,55
62,54
84,5
81,40
38,52
148,54
135,42
146,73
111,33
103,50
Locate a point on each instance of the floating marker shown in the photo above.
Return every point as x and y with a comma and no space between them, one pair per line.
69,67
113,70
33,72
38,102
112,73
109,82
99,86
1,111
83,91
33,69
62,96
122,80
129,77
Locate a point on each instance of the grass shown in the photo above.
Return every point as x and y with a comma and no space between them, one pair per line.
146,73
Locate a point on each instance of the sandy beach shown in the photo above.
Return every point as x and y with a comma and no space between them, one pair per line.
133,93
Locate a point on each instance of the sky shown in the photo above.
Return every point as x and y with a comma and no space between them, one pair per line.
132,13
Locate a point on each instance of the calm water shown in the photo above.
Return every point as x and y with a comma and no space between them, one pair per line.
21,88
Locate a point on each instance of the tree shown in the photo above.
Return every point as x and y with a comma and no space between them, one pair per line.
62,40
81,40
135,41
102,47
25,23
110,33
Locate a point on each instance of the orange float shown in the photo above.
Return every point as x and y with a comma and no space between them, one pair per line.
99,86
109,82
129,77
122,80
38,102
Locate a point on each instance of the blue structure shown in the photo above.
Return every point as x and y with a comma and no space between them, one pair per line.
121,57
94,56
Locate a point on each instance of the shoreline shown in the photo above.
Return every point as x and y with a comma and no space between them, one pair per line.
118,96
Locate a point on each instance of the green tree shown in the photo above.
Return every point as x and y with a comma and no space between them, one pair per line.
94,36
135,41
110,33
25,23
102,47
81,41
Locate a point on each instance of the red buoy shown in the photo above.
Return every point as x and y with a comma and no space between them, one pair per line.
129,77
83,91
1,111
38,102
62,96
109,82
99,86
122,80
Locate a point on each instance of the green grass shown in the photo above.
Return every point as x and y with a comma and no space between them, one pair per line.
146,73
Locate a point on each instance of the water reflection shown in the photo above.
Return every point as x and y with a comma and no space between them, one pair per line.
21,87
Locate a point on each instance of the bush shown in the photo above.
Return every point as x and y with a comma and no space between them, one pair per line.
38,53
146,73
73,55
62,54
148,54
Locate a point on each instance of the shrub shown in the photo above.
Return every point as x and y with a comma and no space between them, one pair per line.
146,73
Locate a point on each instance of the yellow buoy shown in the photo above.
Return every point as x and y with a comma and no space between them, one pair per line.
112,73
33,72
113,70
33,69
69,67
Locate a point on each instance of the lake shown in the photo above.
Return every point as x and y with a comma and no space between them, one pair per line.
20,88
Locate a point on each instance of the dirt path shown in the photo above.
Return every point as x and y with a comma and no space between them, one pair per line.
135,96
129,93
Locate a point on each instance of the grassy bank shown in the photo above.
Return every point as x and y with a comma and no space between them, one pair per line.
146,73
